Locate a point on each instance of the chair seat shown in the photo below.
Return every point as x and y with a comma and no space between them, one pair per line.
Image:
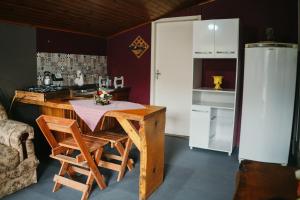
115,140
9,158
108,136
92,143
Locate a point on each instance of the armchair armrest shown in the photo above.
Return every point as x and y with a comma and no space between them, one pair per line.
17,135
3,114
23,140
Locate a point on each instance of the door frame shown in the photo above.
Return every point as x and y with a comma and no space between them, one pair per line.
153,47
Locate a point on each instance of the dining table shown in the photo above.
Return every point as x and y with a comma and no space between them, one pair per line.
145,127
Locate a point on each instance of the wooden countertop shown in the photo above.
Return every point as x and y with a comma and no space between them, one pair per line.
258,180
137,115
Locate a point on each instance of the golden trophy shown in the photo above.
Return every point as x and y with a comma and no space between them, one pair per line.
218,82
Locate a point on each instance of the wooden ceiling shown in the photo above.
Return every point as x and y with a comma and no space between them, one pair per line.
100,18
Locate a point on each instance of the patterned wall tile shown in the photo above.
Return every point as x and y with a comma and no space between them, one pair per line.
67,65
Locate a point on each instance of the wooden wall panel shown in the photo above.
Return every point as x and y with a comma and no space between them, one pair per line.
99,18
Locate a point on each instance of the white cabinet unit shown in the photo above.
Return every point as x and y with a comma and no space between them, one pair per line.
216,38
211,128
212,119
213,112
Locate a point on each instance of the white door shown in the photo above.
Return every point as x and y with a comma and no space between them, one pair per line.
173,73
226,38
203,42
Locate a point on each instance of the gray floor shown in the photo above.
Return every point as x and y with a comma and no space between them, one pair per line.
189,175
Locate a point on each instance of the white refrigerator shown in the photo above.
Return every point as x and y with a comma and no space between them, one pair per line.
268,102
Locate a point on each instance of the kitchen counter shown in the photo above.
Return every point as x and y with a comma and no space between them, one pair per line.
118,94
40,93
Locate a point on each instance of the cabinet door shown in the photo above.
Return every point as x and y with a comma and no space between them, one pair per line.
226,38
203,39
200,126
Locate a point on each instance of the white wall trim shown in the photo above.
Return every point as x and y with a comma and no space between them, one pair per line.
177,19
153,47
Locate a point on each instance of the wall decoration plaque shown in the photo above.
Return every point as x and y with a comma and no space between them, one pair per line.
139,46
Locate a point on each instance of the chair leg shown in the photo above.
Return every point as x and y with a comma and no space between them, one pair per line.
91,176
89,182
124,159
63,170
97,175
121,151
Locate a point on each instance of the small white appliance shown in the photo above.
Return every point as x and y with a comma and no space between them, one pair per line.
268,102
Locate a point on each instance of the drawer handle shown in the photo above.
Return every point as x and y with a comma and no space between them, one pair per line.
225,52
202,111
203,52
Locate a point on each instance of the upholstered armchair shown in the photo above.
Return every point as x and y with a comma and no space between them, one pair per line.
18,162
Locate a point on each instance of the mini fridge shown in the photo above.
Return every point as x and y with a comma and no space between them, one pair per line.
268,102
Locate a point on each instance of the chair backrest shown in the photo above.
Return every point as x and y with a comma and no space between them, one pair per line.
48,124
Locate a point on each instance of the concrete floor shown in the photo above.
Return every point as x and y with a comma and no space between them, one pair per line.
189,175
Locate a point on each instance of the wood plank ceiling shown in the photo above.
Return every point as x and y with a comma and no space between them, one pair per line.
100,18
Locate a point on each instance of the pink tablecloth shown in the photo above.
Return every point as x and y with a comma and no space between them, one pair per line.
91,113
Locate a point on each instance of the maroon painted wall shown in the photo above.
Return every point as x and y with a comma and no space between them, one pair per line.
136,71
255,16
63,42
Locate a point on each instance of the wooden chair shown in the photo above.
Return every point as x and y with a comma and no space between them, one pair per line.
117,141
84,163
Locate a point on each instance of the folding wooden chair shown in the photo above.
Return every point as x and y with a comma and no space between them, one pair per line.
84,163
117,141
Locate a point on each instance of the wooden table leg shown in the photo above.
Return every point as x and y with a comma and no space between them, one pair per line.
150,140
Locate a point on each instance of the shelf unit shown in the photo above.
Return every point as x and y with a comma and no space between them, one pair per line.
218,99
206,89
214,112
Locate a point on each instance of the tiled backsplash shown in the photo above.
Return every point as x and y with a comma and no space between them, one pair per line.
67,64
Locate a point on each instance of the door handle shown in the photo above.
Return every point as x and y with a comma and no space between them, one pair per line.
157,73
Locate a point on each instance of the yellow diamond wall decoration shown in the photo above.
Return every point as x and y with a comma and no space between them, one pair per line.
139,46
